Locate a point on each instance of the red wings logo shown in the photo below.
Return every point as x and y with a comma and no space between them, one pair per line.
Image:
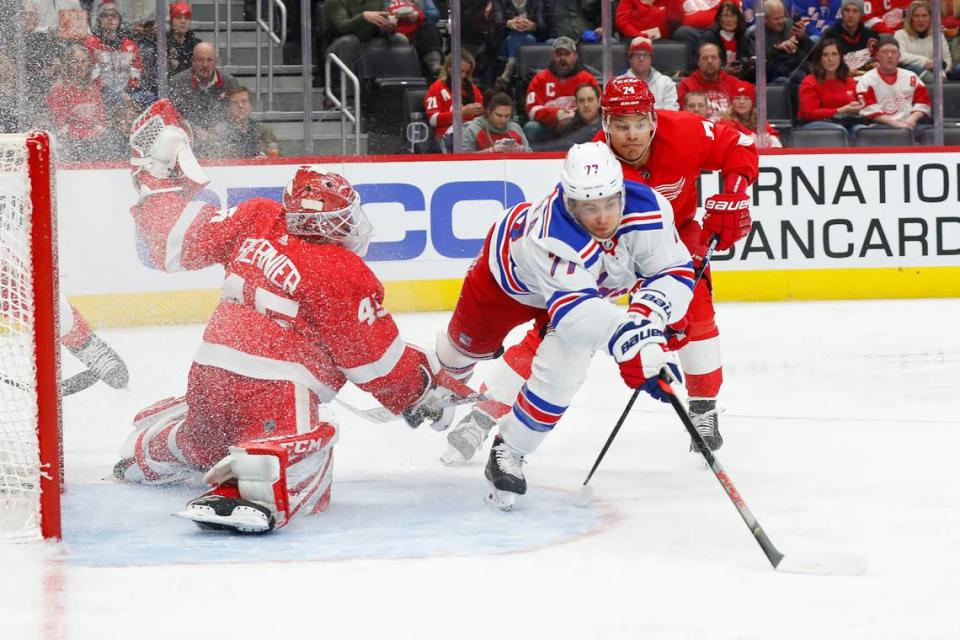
671,190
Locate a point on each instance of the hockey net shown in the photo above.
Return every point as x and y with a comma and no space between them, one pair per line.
29,403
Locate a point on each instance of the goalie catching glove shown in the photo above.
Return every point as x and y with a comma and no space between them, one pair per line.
439,397
160,153
639,347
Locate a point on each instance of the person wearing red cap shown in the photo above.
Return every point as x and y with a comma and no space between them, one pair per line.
640,59
742,114
180,39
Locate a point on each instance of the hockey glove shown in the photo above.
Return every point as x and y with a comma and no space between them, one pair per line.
161,157
727,217
438,401
638,346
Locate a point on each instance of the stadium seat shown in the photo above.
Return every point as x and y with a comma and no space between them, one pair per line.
951,102
819,138
533,58
670,57
413,103
951,136
779,111
884,137
591,55
396,65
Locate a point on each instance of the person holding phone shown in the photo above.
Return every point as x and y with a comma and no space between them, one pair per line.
495,131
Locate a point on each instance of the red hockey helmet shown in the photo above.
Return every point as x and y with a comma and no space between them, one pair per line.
627,96
325,205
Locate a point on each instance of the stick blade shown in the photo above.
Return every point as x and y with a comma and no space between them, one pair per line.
584,496
824,564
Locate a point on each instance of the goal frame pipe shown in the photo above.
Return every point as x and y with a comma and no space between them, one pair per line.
43,250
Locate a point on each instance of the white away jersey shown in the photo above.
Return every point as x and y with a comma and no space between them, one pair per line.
541,257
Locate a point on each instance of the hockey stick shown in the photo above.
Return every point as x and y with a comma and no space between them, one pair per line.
382,414
586,492
75,383
824,564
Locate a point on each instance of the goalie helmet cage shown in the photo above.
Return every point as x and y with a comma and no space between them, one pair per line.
30,422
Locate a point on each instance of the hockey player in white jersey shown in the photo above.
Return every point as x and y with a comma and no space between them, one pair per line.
560,262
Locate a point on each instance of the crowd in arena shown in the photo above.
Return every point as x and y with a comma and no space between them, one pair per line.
840,65
88,81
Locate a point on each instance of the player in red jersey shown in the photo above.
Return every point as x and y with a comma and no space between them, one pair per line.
300,314
666,150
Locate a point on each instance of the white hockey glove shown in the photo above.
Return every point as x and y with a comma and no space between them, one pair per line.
441,392
161,157
639,347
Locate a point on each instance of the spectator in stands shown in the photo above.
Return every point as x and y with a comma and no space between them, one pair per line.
640,59
495,131
355,23
180,39
696,102
729,32
9,121
41,66
144,35
116,143
742,114
708,79
651,19
411,25
916,43
584,125
951,29
76,106
816,15
238,136
519,22
828,96
893,97
119,66
698,17
788,45
551,100
576,20
438,101
857,43
201,95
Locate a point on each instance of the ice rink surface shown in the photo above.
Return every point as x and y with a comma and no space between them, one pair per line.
840,432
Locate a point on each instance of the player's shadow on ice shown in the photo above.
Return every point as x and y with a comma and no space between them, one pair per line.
389,517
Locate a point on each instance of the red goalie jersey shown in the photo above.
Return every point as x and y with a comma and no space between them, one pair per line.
291,309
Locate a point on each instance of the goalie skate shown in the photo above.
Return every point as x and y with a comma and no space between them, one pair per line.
505,473
222,509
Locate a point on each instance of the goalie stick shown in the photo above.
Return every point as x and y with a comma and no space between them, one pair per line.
382,414
586,491
821,563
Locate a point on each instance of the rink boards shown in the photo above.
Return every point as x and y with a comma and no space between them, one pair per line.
884,224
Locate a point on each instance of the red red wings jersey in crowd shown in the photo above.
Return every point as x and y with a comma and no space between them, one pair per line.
290,309
548,93
438,104
884,16
684,145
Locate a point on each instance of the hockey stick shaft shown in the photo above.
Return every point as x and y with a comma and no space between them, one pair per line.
74,384
382,414
769,550
636,392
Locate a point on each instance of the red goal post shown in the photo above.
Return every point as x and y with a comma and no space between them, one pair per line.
30,417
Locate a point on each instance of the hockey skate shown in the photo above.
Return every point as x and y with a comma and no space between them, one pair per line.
222,509
505,473
466,437
703,414
103,361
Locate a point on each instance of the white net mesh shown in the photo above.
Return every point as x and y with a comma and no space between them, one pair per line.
19,449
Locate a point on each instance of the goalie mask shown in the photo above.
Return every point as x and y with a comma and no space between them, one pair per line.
324,205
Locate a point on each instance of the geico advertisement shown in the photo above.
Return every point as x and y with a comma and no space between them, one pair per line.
810,211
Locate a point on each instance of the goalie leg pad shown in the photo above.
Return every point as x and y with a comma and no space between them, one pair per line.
279,477
150,454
